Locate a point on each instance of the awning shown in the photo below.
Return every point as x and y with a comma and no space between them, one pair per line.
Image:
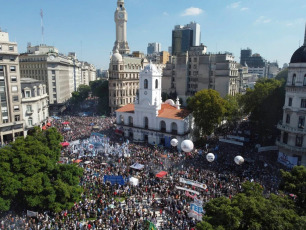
161,174
44,127
137,166
77,161
64,144
66,123
49,124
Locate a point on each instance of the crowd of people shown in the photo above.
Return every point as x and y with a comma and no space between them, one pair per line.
157,200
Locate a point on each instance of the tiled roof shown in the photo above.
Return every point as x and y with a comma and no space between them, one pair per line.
166,111
129,108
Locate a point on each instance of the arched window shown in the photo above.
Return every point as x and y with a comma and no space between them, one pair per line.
304,82
121,121
163,126
146,123
174,128
145,83
156,84
293,79
131,121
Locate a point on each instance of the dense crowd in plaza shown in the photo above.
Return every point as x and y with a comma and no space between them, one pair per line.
120,207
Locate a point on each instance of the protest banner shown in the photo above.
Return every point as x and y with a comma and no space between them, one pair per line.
193,183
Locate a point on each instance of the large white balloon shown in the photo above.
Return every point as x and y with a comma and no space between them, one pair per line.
239,160
210,157
187,146
174,142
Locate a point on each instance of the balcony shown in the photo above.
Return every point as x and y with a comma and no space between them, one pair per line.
291,129
290,147
29,112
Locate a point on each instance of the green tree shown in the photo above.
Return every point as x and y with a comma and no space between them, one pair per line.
251,210
31,178
84,91
208,109
282,75
295,182
233,111
265,103
99,89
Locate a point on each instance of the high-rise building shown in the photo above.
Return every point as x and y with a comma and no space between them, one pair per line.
11,119
123,68
195,70
252,60
153,47
292,143
60,73
184,37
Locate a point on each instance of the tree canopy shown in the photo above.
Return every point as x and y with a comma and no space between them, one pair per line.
208,109
31,178
294,182
81,94
251,210
264,103
99,89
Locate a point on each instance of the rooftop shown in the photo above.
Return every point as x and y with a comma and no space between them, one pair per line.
166,111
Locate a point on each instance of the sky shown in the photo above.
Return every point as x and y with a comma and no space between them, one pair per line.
272,28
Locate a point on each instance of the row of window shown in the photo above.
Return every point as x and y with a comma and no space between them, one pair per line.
298,139
10,48
12,58
13,78
301,121
294,80
125,84
146,84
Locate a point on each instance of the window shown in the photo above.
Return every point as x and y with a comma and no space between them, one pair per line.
174,128
290,101
53,84
288,119
15,98
27,93
30,121
53,71
156,84
54,96
303,103
145,83
13,68
285,137
146,123
0,47
11,48
53,78
14,88
16,108
299,140
1,58
12,58
29,108
13,78
301,122
163,126
293,79
17,117
304,82
54,90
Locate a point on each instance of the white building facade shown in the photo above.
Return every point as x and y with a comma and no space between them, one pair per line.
150,120
292,143
34,103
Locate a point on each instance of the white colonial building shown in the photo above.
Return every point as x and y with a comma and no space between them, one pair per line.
149,119
34,103
292,144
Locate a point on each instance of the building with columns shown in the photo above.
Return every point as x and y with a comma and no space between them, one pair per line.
150,120
124,67
11,118
292,143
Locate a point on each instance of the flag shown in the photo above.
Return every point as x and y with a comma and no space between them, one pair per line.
152,226
32,214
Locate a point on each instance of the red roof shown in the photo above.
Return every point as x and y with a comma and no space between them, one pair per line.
166,111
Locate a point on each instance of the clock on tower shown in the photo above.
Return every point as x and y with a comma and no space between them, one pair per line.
121,19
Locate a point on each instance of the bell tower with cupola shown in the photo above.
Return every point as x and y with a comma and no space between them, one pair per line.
121,19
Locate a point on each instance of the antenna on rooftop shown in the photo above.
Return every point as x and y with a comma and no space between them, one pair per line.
42,25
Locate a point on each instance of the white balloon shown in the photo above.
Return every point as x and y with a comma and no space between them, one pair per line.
174,142
210,157
239,160
187,146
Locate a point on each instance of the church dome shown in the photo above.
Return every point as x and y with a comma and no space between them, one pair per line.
117,57
299,56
